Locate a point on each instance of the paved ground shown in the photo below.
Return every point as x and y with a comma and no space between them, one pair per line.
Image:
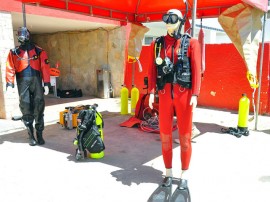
223,168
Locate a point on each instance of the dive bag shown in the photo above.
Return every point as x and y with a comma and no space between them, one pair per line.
88,132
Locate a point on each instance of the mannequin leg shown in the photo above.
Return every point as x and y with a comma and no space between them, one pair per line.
184,123
165,125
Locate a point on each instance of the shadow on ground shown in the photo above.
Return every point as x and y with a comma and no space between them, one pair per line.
207,127
126,148
266,131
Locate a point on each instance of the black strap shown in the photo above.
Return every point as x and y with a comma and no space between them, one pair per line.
159,42
235,131
182,53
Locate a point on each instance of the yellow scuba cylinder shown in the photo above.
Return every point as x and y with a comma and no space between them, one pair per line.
124,99
134,99
99,123
243,112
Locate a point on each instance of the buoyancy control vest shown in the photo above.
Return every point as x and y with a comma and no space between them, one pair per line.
167,72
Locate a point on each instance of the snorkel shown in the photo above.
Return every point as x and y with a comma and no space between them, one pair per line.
177,33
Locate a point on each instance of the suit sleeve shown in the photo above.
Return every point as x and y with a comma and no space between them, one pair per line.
195,60
45,68
152,70
10,71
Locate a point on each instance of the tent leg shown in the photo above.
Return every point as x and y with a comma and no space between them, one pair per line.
24,15
260,75
194,11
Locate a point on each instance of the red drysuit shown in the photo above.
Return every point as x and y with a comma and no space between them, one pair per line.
30,65
19,59
174,98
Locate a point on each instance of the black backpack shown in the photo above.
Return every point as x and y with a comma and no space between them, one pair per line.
89,134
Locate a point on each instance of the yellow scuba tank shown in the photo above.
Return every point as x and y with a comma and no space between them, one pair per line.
99,123
243,112
134,99
124,99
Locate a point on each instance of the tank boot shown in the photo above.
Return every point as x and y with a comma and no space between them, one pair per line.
40,139
32,140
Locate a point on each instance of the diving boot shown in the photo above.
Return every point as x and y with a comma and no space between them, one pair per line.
167,182
32,140
40,139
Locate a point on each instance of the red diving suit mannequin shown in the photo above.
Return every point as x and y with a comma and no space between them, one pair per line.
173,97
30,64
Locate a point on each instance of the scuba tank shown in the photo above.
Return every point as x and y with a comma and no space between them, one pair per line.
124,99
68,118
243,112
134,99
90,136
242,127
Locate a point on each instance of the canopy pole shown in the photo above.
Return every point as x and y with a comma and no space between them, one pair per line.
194,11
260,75
24,15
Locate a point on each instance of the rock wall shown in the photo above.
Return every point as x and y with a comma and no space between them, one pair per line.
81,54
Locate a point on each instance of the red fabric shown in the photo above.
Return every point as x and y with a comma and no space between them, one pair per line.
131,122
15,64
141,105
201,41
134,10
224,79
138,76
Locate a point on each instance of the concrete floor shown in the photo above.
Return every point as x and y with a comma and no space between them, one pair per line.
223,168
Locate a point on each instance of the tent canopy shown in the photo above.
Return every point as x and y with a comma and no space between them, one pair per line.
135,11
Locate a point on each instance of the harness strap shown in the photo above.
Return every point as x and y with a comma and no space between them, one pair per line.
235,131
158,45
181,72
182,53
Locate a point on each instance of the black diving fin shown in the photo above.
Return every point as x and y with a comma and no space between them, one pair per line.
181,193
163,192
